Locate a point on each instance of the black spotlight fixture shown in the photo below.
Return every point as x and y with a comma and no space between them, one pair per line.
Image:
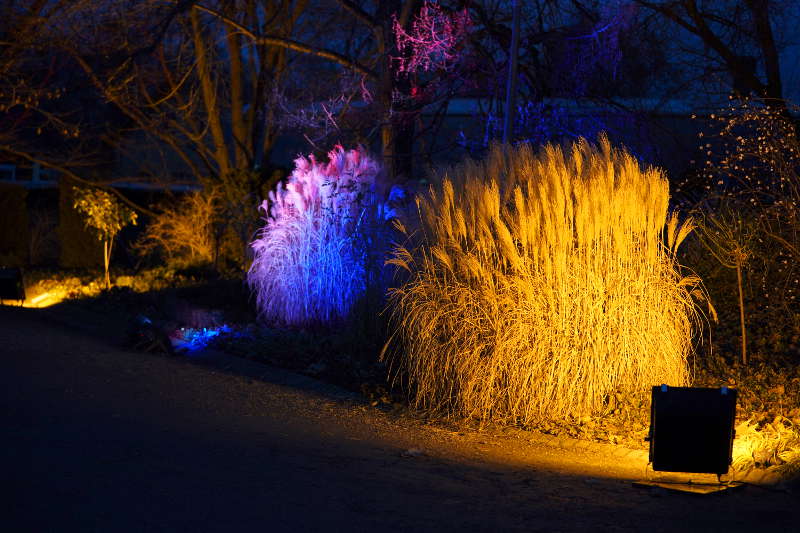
11,287
692,431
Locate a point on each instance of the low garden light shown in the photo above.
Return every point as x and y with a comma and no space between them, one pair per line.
11,287
691,429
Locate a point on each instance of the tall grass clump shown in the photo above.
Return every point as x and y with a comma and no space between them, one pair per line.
313,259
540,285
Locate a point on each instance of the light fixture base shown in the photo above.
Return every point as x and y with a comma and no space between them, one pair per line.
690,488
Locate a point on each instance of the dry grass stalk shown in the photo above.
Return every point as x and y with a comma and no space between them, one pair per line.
540,284
775,446
184,233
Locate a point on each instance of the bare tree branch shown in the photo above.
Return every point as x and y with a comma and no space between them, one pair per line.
292,44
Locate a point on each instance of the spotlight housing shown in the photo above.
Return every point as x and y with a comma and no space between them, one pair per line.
691,429
11,287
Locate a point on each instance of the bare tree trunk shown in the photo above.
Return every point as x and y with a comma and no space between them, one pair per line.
511,86
387,131
241,158
773,91
107,260
397,133
209,95
386,87
766,41
741,311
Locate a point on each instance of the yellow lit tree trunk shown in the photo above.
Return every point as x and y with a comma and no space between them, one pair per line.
741,311
107,260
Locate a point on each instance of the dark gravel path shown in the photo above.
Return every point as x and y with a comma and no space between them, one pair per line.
96,438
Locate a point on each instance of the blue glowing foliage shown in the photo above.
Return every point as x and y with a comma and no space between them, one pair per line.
194,339
554,121
322,241
537,123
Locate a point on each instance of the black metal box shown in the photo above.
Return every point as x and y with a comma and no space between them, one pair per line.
11,287
691,429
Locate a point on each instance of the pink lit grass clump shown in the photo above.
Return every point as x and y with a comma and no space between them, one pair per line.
311,258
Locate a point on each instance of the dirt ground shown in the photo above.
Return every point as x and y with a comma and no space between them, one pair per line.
98,438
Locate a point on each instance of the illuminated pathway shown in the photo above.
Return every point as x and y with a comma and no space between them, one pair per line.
100,439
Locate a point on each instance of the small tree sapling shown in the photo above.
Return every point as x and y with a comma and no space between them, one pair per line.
106,216
730,238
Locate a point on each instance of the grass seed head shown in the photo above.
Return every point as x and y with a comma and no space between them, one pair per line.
558,290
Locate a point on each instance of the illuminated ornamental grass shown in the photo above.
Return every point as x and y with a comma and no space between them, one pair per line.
539,285
310,258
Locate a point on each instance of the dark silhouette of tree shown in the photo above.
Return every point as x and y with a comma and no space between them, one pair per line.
737,39
38,93
397,92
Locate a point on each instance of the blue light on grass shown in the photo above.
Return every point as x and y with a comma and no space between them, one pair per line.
194,339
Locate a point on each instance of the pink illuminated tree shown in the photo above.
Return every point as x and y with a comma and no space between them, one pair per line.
433,41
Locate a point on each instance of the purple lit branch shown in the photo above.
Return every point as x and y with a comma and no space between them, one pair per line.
433,40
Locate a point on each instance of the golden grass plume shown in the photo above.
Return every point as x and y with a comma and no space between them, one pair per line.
539,284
